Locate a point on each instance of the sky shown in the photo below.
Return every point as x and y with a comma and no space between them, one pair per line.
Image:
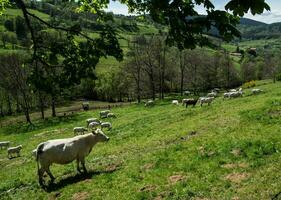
268,17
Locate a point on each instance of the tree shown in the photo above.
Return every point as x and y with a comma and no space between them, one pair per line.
186,28
21,29
13,78
9,25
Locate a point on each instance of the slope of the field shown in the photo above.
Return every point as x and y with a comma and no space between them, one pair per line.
229,150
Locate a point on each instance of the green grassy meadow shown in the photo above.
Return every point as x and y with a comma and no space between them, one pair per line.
229,150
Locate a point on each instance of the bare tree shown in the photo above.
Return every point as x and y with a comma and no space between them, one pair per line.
14,80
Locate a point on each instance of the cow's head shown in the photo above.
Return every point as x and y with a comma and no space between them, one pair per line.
101,137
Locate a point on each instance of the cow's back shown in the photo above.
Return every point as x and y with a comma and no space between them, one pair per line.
61,151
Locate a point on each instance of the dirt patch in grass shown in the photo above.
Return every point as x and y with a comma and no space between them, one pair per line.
235,165
176,178
237,177
203,152
80,196
54,196
111,168
147,166
148,188
275,113
236,152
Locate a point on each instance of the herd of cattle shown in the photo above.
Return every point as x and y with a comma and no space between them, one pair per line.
63,151
208,99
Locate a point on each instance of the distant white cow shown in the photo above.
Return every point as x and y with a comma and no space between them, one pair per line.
212,94
256,91
92,120
64,151
175,102
79,130
94,125
14,150
111,115
149,103
4,144
106,125
232,90
103,114
207,100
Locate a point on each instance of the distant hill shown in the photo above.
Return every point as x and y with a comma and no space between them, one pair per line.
250,22
252,29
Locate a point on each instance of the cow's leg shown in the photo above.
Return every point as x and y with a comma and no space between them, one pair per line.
40,175
83,165
78,168
50,174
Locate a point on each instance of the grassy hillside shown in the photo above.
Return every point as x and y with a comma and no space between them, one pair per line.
229,150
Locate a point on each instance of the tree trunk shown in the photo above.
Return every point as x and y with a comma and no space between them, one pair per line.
27,116
163,74
182,71
18,109
53,106
152,87
41,105
26,109
9,105
1,109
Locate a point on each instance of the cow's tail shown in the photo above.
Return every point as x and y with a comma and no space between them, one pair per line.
38,153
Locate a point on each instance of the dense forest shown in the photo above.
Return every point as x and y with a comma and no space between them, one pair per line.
148,67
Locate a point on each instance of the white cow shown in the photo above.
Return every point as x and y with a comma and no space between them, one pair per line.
175,102
212,94
79,130
92,120
14,150
4,144
106,125
207,100
256,91
64,151
111,115
103,114
94,125
149,103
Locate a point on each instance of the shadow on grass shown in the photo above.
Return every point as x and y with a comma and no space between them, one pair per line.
23,127
74,179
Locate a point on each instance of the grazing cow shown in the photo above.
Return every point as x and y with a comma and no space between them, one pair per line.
64,151
187,93
14,150
103,114
212,94
149,103
175,102
92,120
111,115
94,125
79,130
4,144
86,106
106,125
189,102
207,100
256,91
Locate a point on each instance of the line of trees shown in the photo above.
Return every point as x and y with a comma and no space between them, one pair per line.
150,70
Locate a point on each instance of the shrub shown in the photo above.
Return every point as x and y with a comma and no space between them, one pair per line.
278,77
249,84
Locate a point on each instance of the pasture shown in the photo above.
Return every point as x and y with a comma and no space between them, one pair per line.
228,150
